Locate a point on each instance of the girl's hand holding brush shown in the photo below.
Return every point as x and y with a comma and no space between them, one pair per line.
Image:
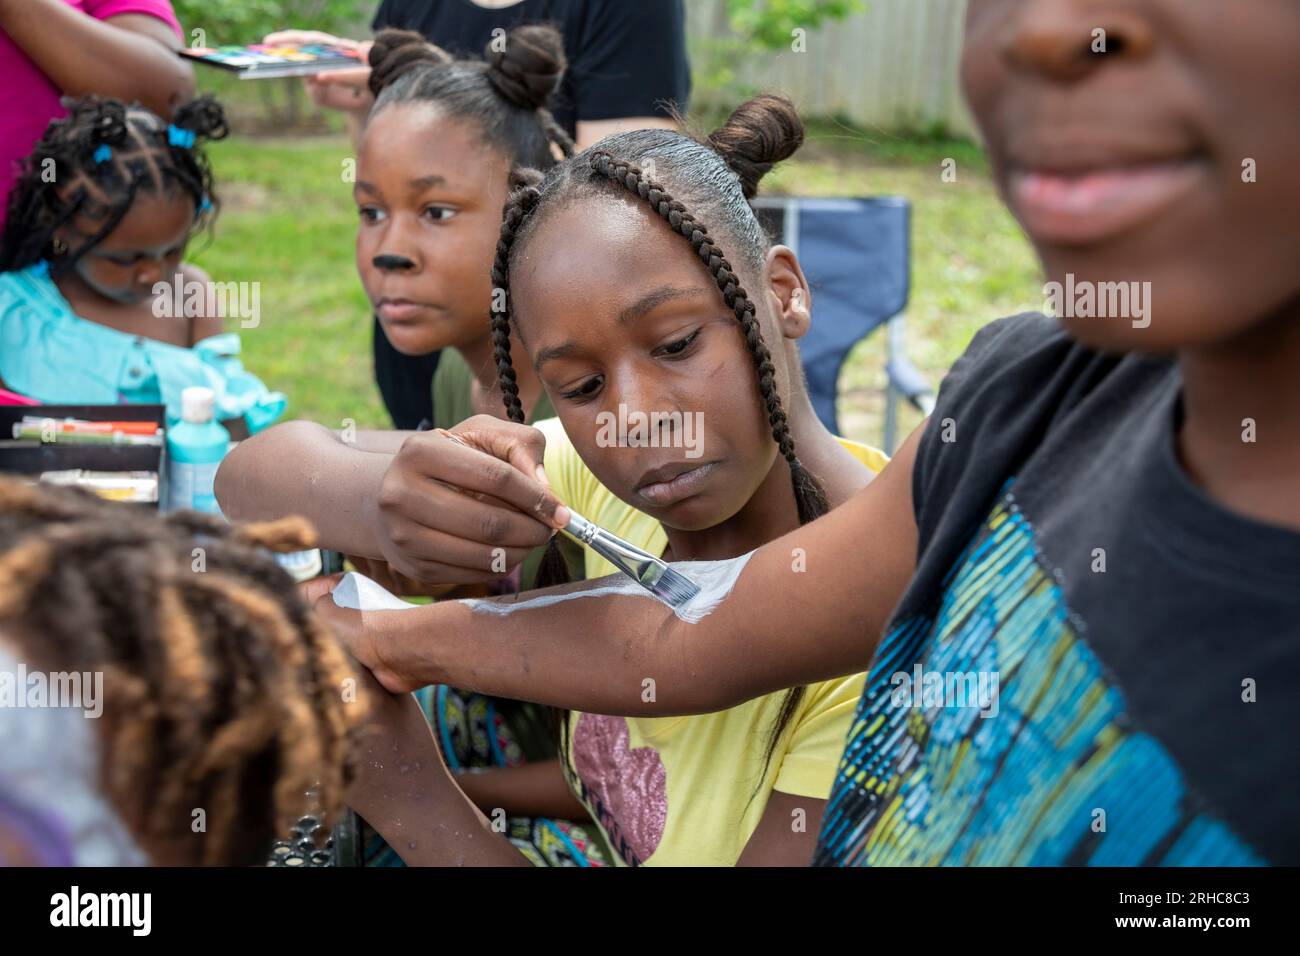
466,504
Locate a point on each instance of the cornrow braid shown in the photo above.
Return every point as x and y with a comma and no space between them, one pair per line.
524,197
809,495
103,154
223,689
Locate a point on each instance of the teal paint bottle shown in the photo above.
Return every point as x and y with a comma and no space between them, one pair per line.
195,447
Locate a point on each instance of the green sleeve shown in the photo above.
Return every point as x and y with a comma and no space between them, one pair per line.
452,390
453,393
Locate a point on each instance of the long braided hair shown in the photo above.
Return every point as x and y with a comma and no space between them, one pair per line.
719,177
507,93
223,690
91,165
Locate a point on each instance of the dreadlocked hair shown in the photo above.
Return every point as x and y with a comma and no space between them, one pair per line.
507,93
717,176
91,165
222,689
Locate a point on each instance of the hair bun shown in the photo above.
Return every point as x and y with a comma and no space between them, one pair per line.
105,119
758,135
524,177
395,52
527,72
205,116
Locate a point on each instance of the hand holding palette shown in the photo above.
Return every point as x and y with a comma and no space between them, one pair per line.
259,61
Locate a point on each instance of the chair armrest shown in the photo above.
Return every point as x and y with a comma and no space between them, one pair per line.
905,378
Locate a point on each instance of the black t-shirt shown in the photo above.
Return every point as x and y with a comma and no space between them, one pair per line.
626,58
1134,645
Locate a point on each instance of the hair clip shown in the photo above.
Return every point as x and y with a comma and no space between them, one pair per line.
103,153
205,204
180,138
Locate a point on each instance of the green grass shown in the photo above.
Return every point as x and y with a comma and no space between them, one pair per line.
288,223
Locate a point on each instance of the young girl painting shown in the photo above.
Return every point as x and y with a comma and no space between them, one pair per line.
1098,526
619,316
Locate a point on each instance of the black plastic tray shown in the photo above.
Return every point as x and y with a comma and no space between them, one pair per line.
61,457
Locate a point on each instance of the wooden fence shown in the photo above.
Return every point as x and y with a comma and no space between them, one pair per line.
893,66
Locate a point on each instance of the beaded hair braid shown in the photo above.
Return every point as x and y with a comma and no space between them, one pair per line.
93,163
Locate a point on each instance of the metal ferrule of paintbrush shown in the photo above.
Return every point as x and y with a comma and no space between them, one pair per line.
640,565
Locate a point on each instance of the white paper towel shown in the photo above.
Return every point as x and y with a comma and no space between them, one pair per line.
360,593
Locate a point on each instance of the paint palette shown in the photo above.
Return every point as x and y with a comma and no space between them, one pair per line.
259,61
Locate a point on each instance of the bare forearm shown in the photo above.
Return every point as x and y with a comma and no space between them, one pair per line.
300,468
130,61
380,442
536,656
618,655
405,792
532,790
806,607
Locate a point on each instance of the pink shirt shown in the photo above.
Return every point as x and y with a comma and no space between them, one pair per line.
28,100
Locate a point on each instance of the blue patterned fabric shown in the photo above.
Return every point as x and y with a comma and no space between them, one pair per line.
1096,662
49,353
1059,775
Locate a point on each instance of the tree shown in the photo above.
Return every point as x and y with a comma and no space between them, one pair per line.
230,22
771,23
745,28
236,22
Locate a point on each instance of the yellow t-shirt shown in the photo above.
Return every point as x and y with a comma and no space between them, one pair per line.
675,791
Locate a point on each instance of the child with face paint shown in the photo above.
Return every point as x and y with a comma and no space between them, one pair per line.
96,304
623,317
432,175
1075,581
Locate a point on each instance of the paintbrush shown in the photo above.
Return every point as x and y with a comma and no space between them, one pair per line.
655,575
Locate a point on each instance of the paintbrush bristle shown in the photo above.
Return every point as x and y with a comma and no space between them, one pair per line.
673,588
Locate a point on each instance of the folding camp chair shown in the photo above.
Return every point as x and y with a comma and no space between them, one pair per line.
856,254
